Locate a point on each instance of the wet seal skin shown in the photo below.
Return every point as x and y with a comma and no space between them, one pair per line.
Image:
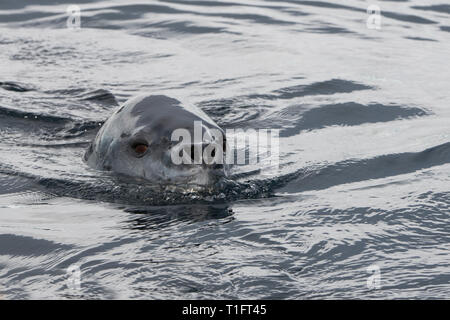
136,141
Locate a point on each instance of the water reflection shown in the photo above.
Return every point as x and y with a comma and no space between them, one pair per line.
156,218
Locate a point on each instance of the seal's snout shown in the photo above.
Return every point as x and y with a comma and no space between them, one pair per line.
208,155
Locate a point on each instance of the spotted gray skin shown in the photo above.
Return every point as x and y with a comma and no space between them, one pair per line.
150,120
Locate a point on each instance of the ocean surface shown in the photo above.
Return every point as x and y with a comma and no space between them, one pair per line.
359,208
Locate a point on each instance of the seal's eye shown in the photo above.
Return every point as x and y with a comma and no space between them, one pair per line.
139,148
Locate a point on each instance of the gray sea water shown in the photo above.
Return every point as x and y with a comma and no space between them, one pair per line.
359,208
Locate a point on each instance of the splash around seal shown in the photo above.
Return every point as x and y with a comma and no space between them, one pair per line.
137,142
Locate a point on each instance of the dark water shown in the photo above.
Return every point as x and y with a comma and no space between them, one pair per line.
365,150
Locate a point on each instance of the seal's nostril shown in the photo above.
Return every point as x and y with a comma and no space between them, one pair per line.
192,153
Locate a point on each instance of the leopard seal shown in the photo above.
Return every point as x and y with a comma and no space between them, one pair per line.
138,141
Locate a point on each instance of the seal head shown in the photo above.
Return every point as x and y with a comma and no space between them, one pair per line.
138,141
